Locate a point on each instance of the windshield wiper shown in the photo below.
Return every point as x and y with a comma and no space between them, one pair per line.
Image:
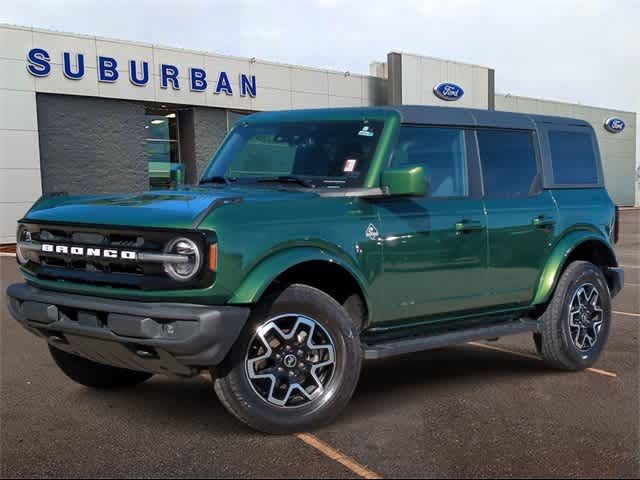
286,179
218,179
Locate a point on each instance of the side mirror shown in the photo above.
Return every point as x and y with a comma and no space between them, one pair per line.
410,181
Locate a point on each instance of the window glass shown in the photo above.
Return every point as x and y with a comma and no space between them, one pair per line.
573,158
509,167
326,153
442,153
162,131
162,147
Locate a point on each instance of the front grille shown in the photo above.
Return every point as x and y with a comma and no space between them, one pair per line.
112,272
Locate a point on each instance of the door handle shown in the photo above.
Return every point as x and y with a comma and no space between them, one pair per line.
464,226
543,221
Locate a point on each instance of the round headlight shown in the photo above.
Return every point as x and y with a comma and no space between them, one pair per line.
190,263
22,251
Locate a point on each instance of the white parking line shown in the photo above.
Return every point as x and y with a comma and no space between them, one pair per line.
327,450
533,357
337,456
602,372
504,350
626,313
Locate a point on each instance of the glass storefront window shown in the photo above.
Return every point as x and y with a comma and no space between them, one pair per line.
159,151
163,146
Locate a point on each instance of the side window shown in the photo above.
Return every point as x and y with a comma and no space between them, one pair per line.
442,153
573,158
509,166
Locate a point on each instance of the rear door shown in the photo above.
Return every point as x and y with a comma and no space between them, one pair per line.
521,216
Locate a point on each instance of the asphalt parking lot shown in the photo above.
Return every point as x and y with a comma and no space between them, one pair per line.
481,410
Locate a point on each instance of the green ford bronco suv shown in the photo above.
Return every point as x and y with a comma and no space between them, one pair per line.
322,238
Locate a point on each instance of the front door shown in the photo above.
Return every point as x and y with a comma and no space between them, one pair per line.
434,247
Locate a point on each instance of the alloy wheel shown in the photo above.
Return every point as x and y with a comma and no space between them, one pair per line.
585,317
290,361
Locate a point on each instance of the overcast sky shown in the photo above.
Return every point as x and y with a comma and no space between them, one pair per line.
585,51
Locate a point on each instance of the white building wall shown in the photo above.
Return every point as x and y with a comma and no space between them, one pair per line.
637,162
618,149
421,74
20,183
278,86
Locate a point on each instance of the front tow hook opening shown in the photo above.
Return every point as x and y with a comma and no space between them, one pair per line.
144,352
54,337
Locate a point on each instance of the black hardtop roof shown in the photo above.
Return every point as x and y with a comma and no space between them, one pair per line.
425,115
469,117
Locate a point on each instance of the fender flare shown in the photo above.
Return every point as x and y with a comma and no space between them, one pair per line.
267,270
557,260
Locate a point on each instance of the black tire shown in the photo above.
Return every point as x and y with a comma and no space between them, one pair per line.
558,342
96,375
242,398
357,310
537,340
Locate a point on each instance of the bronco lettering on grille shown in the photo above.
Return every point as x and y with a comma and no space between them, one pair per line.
89,252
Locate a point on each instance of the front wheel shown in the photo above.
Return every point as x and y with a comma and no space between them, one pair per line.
575,325
295,366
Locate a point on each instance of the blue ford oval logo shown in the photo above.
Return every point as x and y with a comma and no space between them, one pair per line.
449,92
615,125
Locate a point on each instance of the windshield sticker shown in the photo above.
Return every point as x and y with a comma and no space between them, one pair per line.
350,165
366,131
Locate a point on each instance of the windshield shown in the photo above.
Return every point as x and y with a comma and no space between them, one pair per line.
319,154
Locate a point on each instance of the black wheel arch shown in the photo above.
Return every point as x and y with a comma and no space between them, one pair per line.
328,277
596,252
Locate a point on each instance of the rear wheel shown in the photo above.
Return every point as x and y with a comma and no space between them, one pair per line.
575,325
295,366
96,375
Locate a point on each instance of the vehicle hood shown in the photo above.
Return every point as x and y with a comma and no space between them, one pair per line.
179,209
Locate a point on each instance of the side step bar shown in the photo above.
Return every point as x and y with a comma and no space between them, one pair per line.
378,351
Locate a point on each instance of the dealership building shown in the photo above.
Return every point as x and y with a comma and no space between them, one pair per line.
89,115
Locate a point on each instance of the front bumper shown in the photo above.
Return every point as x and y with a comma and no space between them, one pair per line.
168,338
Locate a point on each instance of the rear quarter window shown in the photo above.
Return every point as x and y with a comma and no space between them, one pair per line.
573,158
